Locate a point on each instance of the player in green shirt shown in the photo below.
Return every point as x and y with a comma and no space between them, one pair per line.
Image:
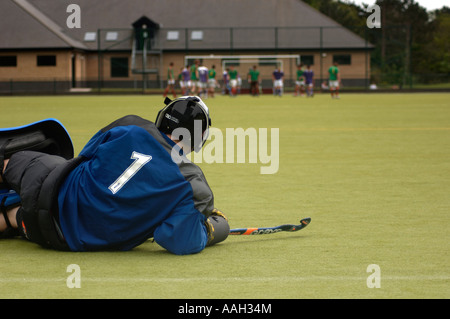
233,76
194,76
212,83
334,80
300,81
253,78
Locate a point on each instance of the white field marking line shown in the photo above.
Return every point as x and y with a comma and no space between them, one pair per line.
221,279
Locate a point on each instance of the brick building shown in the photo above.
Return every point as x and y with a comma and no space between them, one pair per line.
129,44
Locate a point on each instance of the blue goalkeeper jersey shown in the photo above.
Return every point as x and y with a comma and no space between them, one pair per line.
127,190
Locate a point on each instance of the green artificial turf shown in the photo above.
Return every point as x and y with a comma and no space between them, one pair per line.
371,170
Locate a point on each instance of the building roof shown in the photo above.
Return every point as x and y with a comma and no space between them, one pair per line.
239,24
25,27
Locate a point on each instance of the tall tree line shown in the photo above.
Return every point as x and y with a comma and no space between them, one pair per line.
411,40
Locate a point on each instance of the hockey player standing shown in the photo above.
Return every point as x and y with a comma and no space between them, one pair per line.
277,78
203,81
334,80
309,81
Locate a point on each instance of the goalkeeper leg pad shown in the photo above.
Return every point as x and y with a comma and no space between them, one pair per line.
47,136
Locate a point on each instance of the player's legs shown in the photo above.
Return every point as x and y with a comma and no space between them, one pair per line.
275,88
233,84
9,205
25,173
28,155
170,88
174,93
278,87
311,89
204,89
212,86
334,89
188,86
182,87
8,220
254,88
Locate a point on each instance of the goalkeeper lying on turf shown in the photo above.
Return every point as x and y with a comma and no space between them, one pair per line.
131,182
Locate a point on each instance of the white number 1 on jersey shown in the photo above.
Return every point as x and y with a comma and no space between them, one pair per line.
139,161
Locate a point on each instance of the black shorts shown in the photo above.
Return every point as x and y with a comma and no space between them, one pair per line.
36,178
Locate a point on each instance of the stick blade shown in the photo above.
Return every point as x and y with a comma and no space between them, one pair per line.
303,223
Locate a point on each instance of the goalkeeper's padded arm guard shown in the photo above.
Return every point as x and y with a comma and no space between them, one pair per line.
217,227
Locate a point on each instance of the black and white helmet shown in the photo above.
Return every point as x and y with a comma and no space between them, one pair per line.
189,113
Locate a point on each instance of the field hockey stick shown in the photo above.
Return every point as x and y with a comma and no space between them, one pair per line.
270,230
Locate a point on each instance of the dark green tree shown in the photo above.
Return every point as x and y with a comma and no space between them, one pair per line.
410,40
435,63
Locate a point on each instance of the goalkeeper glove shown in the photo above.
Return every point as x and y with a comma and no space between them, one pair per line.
217,227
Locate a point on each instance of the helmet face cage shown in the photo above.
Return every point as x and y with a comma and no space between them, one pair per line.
187,112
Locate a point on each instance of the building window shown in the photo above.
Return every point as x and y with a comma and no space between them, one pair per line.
173,35
90,36
119,67
342,59
112,36
8,61
307,59
197,35
46,60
